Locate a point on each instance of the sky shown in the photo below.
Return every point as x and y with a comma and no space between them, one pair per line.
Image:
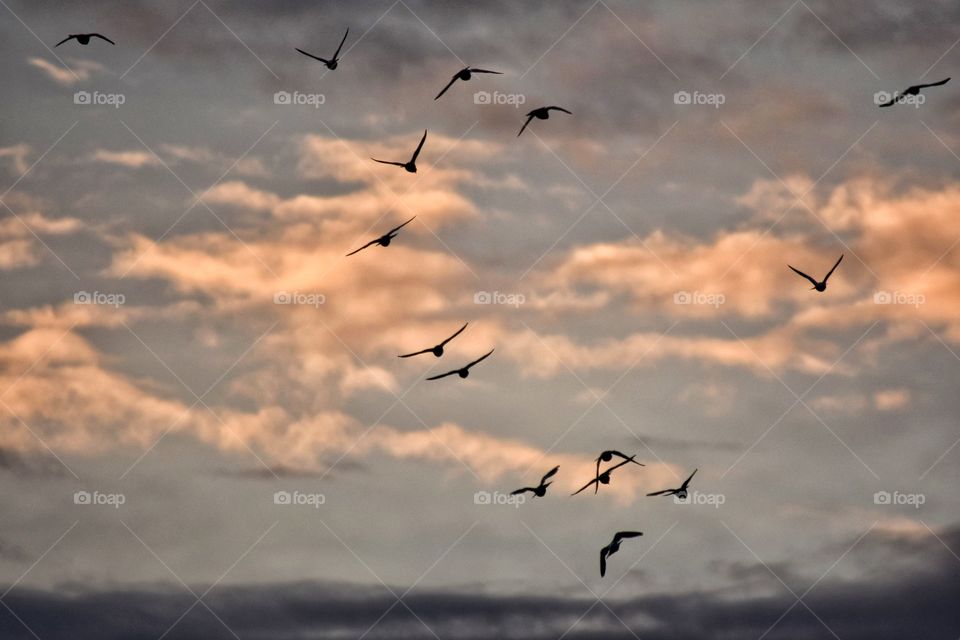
207,432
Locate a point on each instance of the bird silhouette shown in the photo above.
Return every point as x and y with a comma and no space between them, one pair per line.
464,74
463,371
83,38
912,91
384,240
541,488
680,492
604,478
607,456
410,166
437,350
614,546
819,286
332,62
540,114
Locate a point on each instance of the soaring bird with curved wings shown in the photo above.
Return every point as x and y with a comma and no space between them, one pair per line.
83,38
912,91
384,240
541,489
680,492
410,165
822,285
541,113
614,546
463,371
464,74
332,62
437,350
604,478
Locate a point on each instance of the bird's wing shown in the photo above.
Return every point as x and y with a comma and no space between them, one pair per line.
341,44
559,109
97,35
549,474
583,487
399,164
310,55
620,455
524,490
933,84
603,561
419,146
443,375
687,481
397,228
620,535
62,41
459,331
363,247
801,273
449,84
415,353
660,493
829,273
499,73
889,103
483,357
529,118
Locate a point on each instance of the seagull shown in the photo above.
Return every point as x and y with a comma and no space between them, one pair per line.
614,546
332,62
680,492
604,478
540,489
384,240
437,350
464,371
912,91
819,286
464,74
412,165
607,456
540,114
83,38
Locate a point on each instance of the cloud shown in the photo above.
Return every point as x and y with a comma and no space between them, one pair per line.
130,159
80,71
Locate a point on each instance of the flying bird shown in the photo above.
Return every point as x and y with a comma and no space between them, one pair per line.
384,240
332,62
437,350
540,114
410,166
680,492
541,488
83,38
819,286
464,371
912,91
464,74
604,478
607,456
614,546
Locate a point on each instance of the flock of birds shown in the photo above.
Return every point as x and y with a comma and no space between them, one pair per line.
540,113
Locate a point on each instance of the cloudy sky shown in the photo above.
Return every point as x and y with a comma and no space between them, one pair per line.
182,336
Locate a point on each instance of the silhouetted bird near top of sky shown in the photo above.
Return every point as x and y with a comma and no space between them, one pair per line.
604,478
84,38
464,74
541,488
437,350
332,62
540,114
680,492
819,286
607,456
463,371
410,166
384,240
912,91
614,546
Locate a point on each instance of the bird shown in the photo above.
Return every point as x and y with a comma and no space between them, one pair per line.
604,478
83,38
464,74
540,114
819,286
410,166
437,350
384,240
541,488
680,492
463,371
912,91
332,62
614,546
607,456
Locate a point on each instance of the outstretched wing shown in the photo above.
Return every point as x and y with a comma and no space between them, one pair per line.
310,55
415,353
97,35
483,357
399,164
419,146
529,118
892,101
499,73
933,84
459,331
363,247
449,84
829,273
549,474
603,561
443,375
687,481
660,493
62,41
801,273
620,535
397,228
341,44
584,487
524,490
559,109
